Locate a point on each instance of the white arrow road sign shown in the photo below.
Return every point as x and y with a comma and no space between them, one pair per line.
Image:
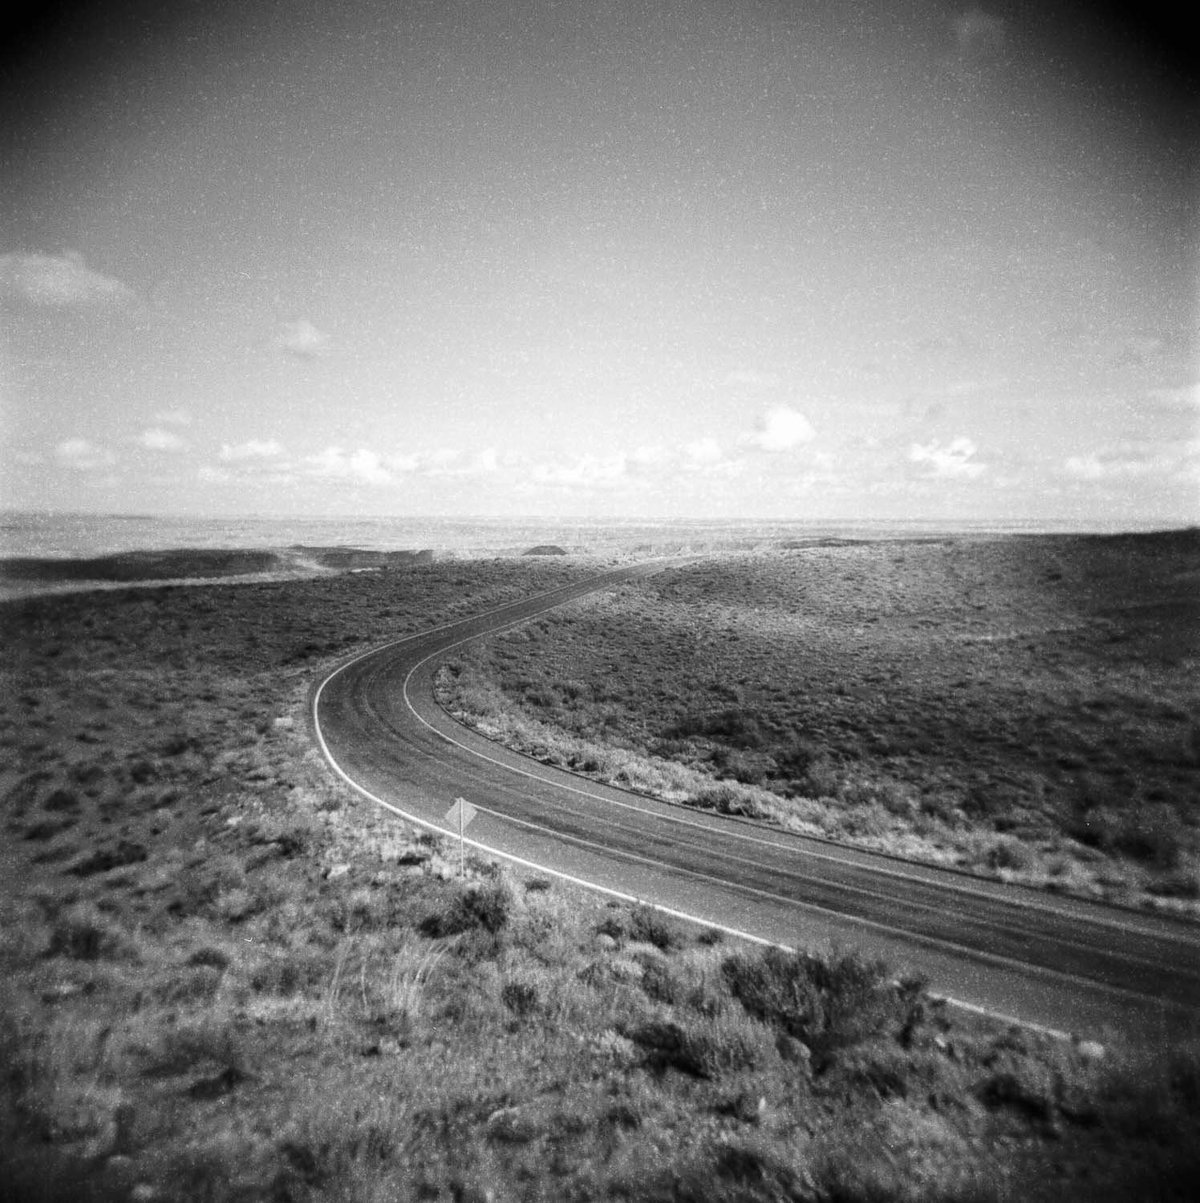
462,812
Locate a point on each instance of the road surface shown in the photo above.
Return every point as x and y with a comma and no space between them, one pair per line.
1068,965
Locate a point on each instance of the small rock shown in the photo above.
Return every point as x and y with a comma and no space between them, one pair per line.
61,990
605,942
472,1194
749,1107
1090,1050
336,871
512,1125
284,722
793,1050
144,1192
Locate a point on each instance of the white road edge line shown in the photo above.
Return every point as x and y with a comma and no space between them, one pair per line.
973,1008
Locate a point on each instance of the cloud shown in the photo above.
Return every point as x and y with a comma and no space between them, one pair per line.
447,461
649,458
157,439
60,282
703,453
361,465
589,471
1160,462
253,449
955,461
781,429
83,456
979,39
301,339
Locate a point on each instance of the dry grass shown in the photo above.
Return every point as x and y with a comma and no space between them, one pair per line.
193,1007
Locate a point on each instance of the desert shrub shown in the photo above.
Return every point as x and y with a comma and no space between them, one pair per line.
727,798
521,998
1182,882
126,852
1153,1095
208,1041
87,772
1008,853
1153,833
795,755
84,933
660,984
750,768
647,926
61,799
734,726
994,802
485,907
821,778
47,829
178,742
212,957
611,926
705,1047
828,1004
282,976
141,771
1096,827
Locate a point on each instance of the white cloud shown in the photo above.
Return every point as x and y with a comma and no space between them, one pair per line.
955,461
448,461
703,452
59,282
157,439
360,465
83,456
649,456
781,428
1085,467
1160,462
486,461
301,339
589,471
253,449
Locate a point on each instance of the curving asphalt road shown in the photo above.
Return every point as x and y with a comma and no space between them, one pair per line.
1059,963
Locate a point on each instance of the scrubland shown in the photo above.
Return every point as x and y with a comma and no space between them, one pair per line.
223,976
1027,708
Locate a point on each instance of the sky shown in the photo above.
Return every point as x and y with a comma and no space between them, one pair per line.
891,259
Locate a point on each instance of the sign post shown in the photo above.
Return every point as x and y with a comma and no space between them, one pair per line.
461,813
